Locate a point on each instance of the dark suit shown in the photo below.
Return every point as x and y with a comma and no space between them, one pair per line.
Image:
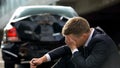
100,53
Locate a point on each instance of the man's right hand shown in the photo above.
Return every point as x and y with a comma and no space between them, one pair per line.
37,61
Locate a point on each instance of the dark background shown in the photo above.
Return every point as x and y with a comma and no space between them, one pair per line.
107,18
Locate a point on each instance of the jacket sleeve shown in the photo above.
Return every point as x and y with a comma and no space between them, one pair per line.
59,52
94,60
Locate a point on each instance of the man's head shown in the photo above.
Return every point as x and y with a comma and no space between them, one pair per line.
77,28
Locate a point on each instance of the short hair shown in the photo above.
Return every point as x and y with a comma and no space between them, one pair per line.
76,26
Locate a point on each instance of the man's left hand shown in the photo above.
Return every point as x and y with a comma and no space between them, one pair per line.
70,42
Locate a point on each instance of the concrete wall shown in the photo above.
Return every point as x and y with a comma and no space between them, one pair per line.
87,6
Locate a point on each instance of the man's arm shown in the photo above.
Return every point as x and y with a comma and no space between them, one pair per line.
98,55
59,52
52,55
37,61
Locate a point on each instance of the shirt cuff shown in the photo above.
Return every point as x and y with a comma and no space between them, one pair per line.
48,57
73,51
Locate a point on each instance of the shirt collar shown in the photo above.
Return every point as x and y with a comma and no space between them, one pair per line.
89,38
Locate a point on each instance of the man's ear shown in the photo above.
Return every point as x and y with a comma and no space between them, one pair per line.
85,35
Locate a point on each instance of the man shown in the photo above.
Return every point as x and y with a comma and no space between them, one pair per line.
85,47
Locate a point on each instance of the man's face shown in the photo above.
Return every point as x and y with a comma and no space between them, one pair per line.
79,40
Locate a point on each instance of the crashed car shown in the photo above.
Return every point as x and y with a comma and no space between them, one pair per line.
33,31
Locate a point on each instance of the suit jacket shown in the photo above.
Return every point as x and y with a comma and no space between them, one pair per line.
101,52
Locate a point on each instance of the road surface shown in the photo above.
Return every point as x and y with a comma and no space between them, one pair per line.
1,61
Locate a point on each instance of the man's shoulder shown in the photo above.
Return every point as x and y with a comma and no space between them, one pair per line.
99,35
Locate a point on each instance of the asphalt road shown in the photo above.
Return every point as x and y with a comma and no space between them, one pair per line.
1,61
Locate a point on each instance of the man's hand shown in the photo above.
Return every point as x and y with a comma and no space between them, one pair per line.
70,42
37,61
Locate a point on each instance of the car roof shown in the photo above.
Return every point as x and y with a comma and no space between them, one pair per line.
66,11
